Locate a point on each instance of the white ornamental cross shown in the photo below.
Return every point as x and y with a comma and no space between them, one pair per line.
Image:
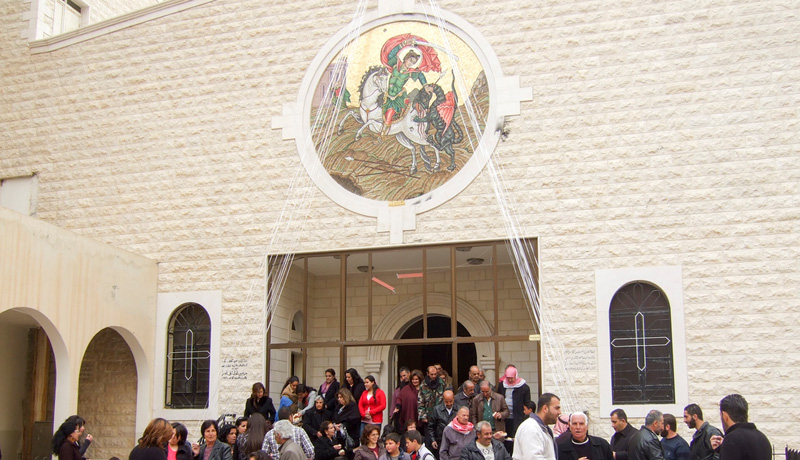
189,355
640,341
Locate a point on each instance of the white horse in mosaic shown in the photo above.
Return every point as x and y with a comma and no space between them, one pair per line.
408,133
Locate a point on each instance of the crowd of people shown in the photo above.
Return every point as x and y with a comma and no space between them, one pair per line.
429,419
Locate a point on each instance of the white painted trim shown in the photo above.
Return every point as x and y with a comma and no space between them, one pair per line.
394,217
166,305
670,280
108,26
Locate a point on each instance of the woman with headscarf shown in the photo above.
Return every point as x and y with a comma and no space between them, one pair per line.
313,418
516,393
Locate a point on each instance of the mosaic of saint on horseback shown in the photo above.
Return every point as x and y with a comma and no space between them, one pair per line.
419,109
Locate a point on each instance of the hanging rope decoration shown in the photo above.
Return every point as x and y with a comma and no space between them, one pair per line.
302,198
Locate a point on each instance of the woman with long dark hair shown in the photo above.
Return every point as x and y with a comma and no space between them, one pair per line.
178,448
353,383
213,449
372,403
259,403
65,441
151,445
252,439
289,395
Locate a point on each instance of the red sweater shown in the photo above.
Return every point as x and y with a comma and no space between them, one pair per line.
376,404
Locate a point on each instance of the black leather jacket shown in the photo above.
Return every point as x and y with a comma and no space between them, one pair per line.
701,443
439,420
645,445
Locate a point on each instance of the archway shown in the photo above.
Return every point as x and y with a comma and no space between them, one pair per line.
30,382
422,356
107,394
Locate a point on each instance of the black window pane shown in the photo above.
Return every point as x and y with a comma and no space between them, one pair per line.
641,346
188,358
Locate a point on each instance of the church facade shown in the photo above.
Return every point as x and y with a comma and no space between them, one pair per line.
621,219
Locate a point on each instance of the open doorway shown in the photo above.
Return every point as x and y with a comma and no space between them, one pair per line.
422,356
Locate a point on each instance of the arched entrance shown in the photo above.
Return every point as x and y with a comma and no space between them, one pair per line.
422,356
107,393
28,379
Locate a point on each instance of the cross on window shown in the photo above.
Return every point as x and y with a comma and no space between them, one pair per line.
189,355
640,341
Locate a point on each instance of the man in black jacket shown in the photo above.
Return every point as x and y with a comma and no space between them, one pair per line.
485,446
701,440
623,431
578,444
442,414
645,445
742,440
516,392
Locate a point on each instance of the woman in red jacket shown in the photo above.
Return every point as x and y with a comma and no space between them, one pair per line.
372,403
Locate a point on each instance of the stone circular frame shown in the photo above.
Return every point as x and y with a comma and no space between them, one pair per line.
396,215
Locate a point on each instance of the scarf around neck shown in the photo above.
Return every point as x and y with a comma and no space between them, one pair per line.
463,429
432,385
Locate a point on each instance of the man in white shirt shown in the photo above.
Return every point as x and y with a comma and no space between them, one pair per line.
534,439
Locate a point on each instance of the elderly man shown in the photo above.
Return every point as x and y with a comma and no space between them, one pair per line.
465,394
644,444
700,446
742,439
516,392
457,434
442,415
299,437
485,446
430,395
289,450
534,440
489,406
578,444
623,431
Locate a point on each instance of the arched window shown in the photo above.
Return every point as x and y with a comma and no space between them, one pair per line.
641,345
188,357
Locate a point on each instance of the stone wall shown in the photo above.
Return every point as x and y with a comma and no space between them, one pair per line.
659,134
107,396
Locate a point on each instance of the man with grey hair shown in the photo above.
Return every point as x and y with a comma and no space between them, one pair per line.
578,444
489,406
645,445
289,450
465,394
485,447
299,436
